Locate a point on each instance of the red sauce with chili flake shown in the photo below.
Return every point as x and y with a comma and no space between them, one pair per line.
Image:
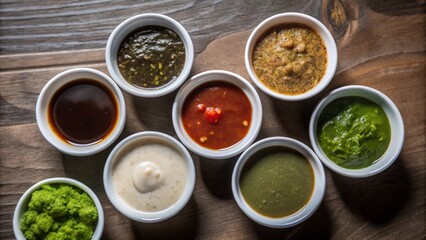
217,115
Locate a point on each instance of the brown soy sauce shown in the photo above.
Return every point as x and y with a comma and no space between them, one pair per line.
83,112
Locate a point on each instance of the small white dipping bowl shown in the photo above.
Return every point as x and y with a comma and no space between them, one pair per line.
46,95
213,76
297,18
22,205
395,121
317,193
132,24
120,204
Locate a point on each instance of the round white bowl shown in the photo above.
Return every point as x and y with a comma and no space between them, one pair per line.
121,205
300,18
49,91
130,25
395,121
212,76
22,205
297,217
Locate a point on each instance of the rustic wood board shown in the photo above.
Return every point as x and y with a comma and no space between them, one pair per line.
380,45
51,25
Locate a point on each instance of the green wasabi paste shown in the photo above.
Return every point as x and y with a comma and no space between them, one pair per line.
59,211
353,132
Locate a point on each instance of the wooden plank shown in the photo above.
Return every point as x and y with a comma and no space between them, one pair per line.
34,61
51,25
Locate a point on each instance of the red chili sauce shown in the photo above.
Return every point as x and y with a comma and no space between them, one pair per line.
217,115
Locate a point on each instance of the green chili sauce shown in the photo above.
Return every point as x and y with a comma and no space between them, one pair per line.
277,182
151,57
353,132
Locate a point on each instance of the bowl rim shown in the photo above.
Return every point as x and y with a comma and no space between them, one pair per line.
47,93
219,76
25,198
395,121
133,23
140,216
293,17
317,192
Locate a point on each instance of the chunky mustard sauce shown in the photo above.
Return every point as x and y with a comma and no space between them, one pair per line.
290,59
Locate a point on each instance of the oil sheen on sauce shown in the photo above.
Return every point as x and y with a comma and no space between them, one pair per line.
227,125
150,176
83,112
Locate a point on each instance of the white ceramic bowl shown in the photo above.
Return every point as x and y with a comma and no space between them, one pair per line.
53,86
128,26
299,18
22,205
212,76
297,217
121,205
395,121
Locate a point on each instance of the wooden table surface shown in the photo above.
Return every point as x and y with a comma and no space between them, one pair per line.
381,44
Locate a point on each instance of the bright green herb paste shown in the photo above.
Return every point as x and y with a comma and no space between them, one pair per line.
59,211
353,132
277,182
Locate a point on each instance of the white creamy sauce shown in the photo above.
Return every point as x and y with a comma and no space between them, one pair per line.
150,177
147,177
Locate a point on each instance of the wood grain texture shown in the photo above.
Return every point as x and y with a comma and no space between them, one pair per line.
380,45
50,25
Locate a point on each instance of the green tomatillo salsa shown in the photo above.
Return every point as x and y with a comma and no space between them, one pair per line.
353,132
277,182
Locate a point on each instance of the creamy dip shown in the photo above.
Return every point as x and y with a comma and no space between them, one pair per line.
150,176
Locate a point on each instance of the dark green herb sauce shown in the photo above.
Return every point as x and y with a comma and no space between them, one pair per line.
151,57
